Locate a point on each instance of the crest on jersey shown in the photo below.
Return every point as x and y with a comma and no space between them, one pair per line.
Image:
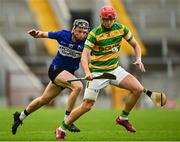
114,49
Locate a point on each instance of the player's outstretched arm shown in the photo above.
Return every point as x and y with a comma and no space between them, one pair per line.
38,34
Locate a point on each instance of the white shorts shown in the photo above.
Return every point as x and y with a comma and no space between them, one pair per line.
93,87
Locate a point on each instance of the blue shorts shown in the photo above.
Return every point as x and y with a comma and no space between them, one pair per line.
54,71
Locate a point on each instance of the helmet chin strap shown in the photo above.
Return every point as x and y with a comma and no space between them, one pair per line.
73,37
111,25
106,27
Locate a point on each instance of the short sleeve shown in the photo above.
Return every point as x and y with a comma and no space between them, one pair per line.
90,41
127,34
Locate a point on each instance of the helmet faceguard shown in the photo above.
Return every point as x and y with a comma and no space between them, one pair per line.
80,29
81,23
107,12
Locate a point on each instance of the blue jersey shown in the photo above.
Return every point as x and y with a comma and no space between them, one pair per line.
69,52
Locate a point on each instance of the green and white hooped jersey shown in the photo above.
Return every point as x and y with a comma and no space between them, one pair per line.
105,46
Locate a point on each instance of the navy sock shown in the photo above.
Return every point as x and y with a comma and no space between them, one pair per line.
26,113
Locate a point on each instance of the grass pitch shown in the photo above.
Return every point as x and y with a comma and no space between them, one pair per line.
96,125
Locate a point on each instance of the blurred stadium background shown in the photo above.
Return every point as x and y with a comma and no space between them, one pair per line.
24,61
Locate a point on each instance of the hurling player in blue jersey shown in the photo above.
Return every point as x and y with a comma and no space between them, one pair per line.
62,68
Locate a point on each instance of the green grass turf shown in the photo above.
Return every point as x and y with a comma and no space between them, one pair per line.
96,125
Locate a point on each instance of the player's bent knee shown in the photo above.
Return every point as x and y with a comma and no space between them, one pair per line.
138,91
87,105
78,87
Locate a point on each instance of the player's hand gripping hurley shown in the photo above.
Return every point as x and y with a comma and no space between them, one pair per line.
103,76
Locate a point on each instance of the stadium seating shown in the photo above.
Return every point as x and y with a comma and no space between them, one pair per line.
157,21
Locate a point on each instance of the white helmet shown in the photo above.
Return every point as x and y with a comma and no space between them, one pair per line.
81,23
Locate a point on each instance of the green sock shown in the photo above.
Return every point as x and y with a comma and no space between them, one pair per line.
64,126
124,114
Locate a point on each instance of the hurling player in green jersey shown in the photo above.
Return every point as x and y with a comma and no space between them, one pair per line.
103,47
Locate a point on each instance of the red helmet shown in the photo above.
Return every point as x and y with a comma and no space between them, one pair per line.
107,12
